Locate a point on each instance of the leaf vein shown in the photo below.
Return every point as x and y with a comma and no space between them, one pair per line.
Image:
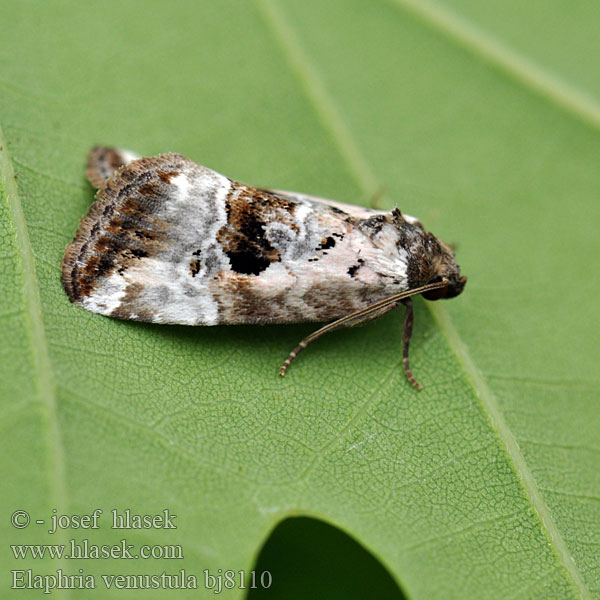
333,120
498,54
44,377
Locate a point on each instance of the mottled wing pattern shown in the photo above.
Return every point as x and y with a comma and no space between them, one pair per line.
345,209
170,241
360,212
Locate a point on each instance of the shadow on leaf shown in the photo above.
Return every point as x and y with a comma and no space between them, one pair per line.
308,558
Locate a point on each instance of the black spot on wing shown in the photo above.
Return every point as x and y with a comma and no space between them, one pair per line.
354,268
243,238
246,261
326,243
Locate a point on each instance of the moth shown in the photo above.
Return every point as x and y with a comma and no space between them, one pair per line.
168,240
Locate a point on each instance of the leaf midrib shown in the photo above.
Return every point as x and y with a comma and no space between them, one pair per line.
43,374
492,50
498,423
527,74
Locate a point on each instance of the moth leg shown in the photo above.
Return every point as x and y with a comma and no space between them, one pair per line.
103,163
358,318
409,319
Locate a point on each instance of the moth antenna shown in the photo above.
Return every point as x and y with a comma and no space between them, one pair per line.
365,314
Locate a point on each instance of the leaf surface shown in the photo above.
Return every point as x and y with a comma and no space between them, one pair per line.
474,118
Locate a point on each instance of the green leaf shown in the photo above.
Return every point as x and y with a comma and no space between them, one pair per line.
482,119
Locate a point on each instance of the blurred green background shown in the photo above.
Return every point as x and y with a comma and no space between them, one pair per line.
483,120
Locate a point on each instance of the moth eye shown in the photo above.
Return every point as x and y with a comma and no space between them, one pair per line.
437,293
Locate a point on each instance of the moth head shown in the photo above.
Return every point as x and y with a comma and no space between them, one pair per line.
430,260
445,269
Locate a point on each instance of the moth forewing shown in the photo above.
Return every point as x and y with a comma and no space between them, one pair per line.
170,241
350,209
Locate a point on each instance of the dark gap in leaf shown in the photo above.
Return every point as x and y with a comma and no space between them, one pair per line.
308,558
